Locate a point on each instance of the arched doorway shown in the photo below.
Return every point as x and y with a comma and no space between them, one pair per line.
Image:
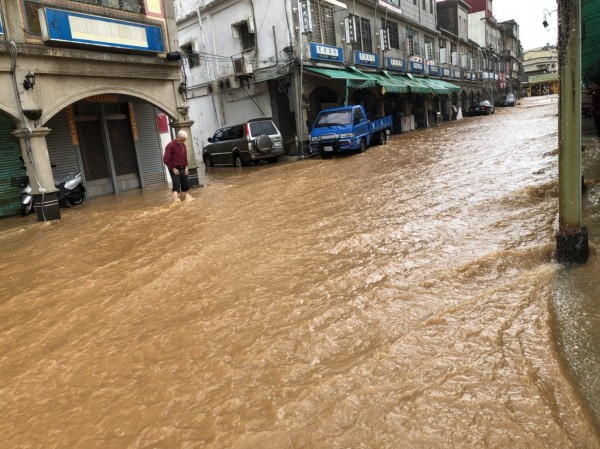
112,139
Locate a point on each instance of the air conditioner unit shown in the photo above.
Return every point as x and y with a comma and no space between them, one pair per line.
234,82
242,67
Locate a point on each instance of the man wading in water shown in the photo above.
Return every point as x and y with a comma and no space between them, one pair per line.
175,159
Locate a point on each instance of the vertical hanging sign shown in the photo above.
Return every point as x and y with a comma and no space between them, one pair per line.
134,130
72,127
305,17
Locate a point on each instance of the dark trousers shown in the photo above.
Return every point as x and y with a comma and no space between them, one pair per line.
597,123
180,181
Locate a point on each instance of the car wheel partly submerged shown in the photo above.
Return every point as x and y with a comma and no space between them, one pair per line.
363,146
237,160
208,161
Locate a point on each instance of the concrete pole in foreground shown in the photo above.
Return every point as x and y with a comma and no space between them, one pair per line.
572,239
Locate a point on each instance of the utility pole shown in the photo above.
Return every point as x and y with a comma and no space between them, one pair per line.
572,239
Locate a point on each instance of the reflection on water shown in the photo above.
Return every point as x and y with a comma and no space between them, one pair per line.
404,297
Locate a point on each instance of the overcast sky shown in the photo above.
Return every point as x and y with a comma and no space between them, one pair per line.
529,14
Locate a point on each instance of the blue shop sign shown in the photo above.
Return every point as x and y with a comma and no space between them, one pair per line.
66,26
434,70
364,58
1,29
416,67
326,53
395,64
446,72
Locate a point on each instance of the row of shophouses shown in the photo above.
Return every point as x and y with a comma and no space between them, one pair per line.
410,59
99,86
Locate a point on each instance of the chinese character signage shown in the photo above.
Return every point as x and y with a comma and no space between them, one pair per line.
305,17
416,67
395,64
90,30
363,58
326,53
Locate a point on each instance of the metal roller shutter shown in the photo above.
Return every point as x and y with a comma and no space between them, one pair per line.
148,145
10,166
283,116
61,150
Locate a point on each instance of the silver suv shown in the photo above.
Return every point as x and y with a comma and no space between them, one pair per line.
240,144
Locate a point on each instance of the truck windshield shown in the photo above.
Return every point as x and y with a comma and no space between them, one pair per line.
334,118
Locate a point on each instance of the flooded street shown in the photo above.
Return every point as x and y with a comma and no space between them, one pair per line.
401,298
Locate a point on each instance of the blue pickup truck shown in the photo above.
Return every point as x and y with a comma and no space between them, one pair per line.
347,129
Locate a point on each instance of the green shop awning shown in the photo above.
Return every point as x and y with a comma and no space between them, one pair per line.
441,83
429,84
414,86
354,78
388,85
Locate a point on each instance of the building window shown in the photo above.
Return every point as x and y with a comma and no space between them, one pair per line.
424,5
431,6
412,43
443,51
364,40
454,55
392,28
136,6
414,2
322,23
429,48
192,57
242,32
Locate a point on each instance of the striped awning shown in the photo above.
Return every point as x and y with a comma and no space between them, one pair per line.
390,83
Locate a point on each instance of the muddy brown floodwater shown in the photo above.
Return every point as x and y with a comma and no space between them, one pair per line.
401,298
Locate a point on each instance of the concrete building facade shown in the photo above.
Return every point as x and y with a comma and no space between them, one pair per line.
103,70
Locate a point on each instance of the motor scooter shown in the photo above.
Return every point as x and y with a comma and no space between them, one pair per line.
71,192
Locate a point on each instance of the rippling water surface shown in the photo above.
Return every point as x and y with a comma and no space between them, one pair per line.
401,298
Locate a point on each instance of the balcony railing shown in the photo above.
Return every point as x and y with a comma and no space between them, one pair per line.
136,6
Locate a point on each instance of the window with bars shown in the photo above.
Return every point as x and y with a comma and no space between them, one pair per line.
322,23
364,38
394,34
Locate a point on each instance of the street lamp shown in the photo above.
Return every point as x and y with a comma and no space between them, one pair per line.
546,14
29,81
